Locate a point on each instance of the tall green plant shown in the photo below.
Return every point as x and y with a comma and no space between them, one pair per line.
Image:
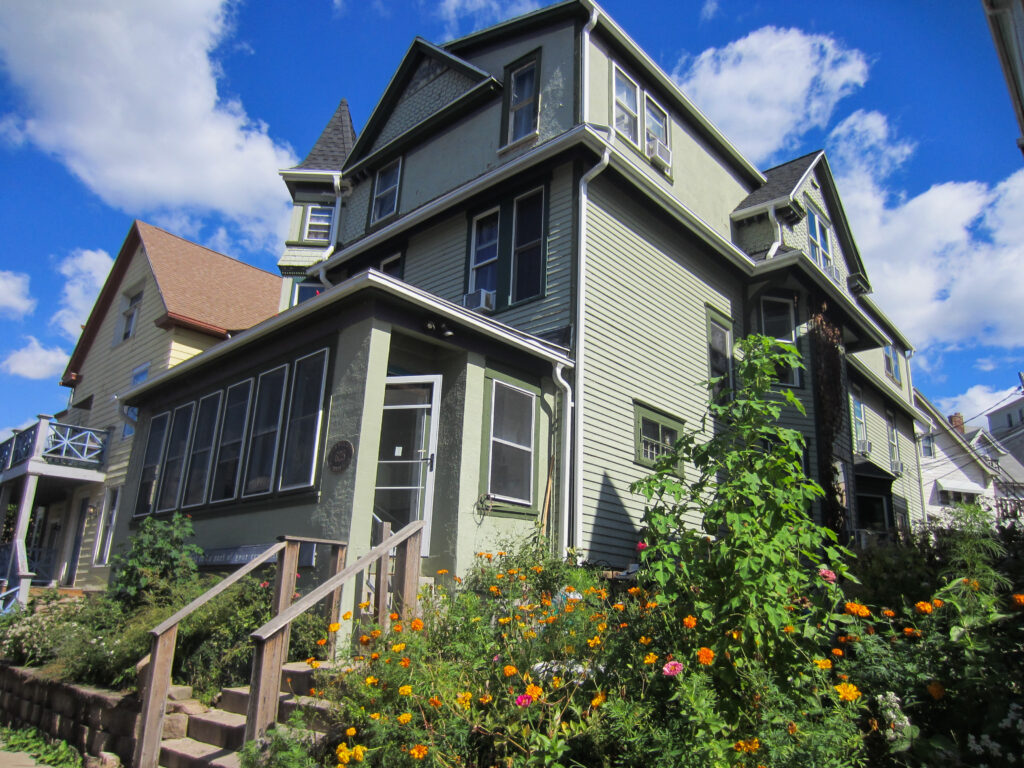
158,559
750,567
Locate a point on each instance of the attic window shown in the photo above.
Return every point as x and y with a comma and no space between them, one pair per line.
318,223
522,106
131,316
385,191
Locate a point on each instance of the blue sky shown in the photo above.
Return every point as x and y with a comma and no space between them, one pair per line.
181,114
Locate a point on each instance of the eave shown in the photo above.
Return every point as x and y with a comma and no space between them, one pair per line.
885,389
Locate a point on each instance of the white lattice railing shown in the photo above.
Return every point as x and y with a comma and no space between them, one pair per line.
66,442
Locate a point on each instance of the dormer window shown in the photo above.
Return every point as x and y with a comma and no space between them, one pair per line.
523,101
385,191
318,223
627,107
131,316
818,238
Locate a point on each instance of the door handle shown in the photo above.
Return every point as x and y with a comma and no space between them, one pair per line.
430,463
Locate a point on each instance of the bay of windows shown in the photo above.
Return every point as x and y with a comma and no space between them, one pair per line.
254,437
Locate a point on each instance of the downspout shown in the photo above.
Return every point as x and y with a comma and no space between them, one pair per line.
581,295
321,273
564,489
778,233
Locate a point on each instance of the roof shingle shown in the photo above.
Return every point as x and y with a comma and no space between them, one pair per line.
782,180
332,149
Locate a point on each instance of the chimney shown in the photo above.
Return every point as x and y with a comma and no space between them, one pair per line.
957,422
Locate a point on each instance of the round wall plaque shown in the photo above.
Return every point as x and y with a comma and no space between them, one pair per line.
340,456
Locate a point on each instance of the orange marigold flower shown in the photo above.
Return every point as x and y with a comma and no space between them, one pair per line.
364,605
823,663
434,701
405,662
789,629
598,700
938,603
419,751
651,604
536,568
494,590
645,640
501,553
908,631
843,676
405,690
508,670
837,651
416,625
705,656
486,699
375,716
751,745
690,622
499,575
634,591
936,689
1018,600
888,613
791,729
404,718
512,571
534,690
364,639
442,571
375,634
619,606
396,628
374,656
856,609
334,626
350,732
346,616
371,680
594,641
322,641
923,607
456,579
393,616
650,658
847,691
622,625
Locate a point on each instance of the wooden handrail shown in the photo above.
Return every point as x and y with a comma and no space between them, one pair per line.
277,623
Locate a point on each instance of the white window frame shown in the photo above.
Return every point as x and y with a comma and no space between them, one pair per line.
794,373
715,318
105,529
893,436
319,422
817,234
892,363
929,441
252,432
531,103
650,101
133,304
379,193
860,416
251,381
516,249
158,465
314,210
491,439
298,285
473,265
617,105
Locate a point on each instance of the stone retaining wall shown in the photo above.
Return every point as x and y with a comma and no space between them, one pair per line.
93,720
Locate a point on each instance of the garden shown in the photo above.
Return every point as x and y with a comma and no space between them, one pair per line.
749,637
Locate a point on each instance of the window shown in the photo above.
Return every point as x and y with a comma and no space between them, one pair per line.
860,421
654,434
893,436
228,464
306,290
510,475
483,271
318,223
892,363
266,423
302,427
174,458
928,446
719,352
778,321
139,375
627,100
655,123
385,191
947,498
101,556
527,248
522,102
200,457
818,238
131,316
151,463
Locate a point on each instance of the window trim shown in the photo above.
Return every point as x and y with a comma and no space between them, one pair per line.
515,249
497,507
377,192
892,363
309,221
283,439
491,439
158,464
617,70
507,123
243,442
130,315
892,437
650,100
857,402
795,378
186,449
663,419
716,317
823,225
929,440
105,527
128,428
298,284
252,433
214,445
473,267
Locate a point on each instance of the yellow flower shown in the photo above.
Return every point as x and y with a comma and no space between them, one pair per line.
358,752
347,615
333,627
556,682
505,620
419,751
594,641
650,658
486,699
856,609
847,692
313,663
823,663
536,568
404,718
371,680
534,690
398,647
705,656
644,640
375,716
619,606
350,732
465,698
494,590
442,572
598,700
508,670
751,745
405,690
364,605
923,607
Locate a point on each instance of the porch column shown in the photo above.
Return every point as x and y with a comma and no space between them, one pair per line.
20,560
5,500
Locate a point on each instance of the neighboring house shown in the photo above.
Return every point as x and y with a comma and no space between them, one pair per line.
1009,482
165,300
1006,22
539,251
952,470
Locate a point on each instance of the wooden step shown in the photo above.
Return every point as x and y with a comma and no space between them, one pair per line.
219,728
189,753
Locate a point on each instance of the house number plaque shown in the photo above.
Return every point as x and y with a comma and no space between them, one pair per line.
340,456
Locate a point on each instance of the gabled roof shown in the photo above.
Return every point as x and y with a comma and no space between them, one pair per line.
782,182
938,419
400,82
332,149
200,289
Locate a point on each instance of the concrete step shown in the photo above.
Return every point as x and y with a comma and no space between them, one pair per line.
179,692
189,753
297,676
318,711
234,700
219,728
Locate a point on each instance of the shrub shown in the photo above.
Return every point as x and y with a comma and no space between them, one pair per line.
159,559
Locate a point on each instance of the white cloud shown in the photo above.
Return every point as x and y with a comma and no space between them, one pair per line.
126,96
12,130
15,300
975,402
476,14
34,361
944,264
708,10
768,89
84,273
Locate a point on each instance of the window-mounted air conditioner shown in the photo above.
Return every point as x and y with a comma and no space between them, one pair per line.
480,300
833,272
659,153
897,468
864,447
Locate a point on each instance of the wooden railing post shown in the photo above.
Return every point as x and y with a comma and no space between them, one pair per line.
265,685
287,571
154,703
338,552
380,583
407,574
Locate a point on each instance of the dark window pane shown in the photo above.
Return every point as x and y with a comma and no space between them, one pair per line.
229,452
510,471
303,433
202,451
266,423
151,463
174,462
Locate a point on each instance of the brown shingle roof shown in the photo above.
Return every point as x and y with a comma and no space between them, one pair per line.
206,289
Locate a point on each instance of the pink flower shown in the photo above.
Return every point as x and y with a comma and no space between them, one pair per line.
827,575
264,584
672,668
641,546
524,700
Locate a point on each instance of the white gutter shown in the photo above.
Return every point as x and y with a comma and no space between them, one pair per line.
371,279
564,487
778,233
335,222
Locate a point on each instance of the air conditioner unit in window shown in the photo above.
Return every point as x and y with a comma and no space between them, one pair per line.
659,153
833,272
897,468
864,447
480,300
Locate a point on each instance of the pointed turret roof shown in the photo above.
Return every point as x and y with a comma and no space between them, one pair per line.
332,149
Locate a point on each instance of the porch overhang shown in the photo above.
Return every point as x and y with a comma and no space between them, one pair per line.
960,486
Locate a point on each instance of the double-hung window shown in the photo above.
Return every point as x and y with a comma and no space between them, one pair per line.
266,424
139,375
928,446
318,223
860,420
654,434
385,191
483,270
627,107
131,316
507,249
523,101
719,352
818,238
151,463
893,436
892,363
513,424
778,321
527,246
656,132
